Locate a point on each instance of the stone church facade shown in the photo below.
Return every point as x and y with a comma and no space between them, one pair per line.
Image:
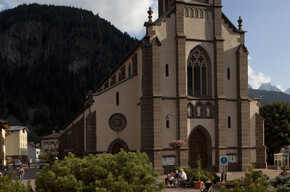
187,79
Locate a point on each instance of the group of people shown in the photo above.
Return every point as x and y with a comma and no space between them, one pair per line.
21,173
177,178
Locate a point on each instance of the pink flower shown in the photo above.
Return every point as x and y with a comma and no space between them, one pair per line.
177,143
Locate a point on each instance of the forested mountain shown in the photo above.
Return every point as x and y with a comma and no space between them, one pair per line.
269,96
50,56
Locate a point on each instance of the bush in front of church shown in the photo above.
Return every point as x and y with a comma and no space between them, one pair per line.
204,175
106,172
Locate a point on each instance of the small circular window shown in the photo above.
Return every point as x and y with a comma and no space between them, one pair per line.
117,122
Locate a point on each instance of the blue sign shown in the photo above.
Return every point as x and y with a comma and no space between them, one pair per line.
224,160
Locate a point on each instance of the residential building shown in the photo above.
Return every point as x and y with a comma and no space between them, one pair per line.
187,79
4,127
33,152
16,143
50,143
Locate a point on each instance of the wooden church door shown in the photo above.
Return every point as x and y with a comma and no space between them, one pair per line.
198,149
117,148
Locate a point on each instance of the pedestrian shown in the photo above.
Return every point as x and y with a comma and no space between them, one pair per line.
5,170
21,173
28,164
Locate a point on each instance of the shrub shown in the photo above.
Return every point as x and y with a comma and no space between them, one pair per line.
255,181
120,172
204,175
281,183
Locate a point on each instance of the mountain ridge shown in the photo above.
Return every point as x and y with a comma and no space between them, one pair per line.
51,56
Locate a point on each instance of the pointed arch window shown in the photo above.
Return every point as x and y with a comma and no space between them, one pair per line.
201,14
197,74
129,70
186,12
196,13
191,12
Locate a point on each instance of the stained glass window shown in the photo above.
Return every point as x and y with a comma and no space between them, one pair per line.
197,78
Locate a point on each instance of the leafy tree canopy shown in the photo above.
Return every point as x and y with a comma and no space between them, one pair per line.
120,172
277,126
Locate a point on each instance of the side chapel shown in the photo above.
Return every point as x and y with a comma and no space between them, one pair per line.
187,79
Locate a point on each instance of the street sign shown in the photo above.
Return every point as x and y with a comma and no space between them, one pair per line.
224,160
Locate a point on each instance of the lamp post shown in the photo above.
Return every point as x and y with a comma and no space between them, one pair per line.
177,136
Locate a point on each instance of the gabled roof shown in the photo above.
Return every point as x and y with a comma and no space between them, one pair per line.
54,135
18,128
36,145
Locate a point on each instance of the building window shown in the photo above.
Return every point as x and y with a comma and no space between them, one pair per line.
191,13
113,80
186,12
197,78
167,122
229,73
166,70
117,98
122,74
201,14
196,13
229,122
134,64
129,70
106,85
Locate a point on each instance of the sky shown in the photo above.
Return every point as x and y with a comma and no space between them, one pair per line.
266,23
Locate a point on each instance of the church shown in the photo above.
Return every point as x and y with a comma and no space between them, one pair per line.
187,79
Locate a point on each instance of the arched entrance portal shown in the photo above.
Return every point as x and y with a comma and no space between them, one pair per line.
200,147
116,146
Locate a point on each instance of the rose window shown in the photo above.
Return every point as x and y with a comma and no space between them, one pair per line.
117,122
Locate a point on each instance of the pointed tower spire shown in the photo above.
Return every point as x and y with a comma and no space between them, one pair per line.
150,12
240,21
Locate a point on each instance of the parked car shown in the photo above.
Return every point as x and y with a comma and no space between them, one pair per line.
17,164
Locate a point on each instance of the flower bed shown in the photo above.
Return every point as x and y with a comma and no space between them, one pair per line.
177,143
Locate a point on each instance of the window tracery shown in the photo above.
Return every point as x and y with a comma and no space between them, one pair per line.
197,74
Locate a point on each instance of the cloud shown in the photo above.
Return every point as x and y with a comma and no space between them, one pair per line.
256,79
3,5
126,15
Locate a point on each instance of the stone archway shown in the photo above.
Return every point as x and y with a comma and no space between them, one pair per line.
116,146
199,143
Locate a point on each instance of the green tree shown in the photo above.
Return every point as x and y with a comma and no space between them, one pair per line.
277,127
120,172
